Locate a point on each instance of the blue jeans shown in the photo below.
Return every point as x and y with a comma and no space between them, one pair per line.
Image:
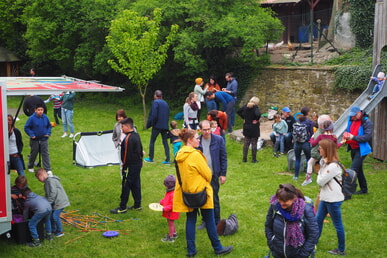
34,221
288,141
155,133
298,148
42,147
279,143
56,223
131,184
17,163
357,165
230,115
190,230
334,209
67,119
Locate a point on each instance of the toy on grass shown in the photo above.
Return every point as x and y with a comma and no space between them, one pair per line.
110,234
156,206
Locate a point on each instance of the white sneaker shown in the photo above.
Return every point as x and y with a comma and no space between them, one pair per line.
49,173
64,135
31,170
307,182
71,135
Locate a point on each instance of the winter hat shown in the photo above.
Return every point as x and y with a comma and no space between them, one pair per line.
354,110
381,75
286,109
170,181
198,81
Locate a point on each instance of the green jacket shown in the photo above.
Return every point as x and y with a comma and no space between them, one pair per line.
68,100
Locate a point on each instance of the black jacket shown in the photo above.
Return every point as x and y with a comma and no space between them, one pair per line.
131,151
275,227
250,129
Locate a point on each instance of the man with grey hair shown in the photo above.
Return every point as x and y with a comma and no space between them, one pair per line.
315,154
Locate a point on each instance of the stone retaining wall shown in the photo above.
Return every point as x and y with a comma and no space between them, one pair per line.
296,87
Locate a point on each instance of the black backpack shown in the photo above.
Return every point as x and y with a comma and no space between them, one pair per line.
349,184
300,132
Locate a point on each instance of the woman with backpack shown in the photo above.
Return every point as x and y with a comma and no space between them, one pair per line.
302,131
291,228
331,196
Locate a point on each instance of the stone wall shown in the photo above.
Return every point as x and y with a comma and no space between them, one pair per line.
296,87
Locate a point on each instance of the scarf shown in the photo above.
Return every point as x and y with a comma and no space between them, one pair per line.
194,106
294,235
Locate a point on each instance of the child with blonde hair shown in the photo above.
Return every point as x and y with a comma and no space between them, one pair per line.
56,196
215,129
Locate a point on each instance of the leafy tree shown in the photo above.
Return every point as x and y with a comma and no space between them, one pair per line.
215,37
138,48
213,30
68,36
11,28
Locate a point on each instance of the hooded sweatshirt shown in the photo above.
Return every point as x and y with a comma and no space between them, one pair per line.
55,193
36,203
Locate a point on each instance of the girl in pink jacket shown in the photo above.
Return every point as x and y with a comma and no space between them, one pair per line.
167,202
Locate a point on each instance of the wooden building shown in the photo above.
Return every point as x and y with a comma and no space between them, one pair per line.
379,115
296,17
9,63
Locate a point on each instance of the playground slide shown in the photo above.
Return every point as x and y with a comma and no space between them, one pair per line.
363,102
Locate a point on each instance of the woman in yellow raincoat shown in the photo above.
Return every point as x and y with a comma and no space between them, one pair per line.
195,175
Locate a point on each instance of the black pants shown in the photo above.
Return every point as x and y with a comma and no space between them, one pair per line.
57,115
132,182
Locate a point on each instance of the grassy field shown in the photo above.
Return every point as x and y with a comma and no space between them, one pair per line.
246,193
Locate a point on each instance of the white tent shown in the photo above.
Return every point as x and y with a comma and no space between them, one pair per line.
93,149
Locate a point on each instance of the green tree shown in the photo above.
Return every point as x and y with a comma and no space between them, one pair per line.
213,30
138,48
68,36
11,27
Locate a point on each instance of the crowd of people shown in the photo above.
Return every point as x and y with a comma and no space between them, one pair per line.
292,225
27,205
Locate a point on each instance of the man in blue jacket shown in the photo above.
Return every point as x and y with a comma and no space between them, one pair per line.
228,103
158,119
38,128
359,138
214,149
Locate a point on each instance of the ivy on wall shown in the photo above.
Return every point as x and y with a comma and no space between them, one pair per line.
362,21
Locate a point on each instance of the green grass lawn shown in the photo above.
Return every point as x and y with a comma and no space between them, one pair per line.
246,193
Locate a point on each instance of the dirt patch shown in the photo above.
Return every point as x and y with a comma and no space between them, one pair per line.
301,54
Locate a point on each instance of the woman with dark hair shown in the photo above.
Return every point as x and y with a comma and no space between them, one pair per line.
291,227
331,196
15,147
305,125
118,136
195,175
